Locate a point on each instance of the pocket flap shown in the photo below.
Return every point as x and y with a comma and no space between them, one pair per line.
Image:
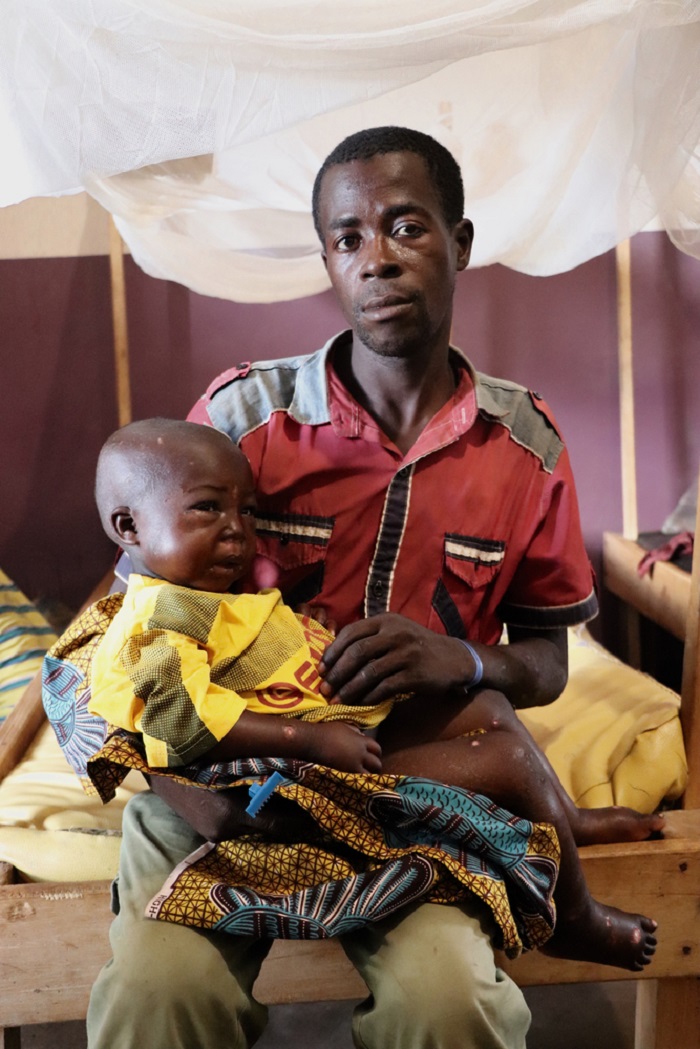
291,540
473,559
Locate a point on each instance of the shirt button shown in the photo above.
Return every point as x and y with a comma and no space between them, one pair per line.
377,588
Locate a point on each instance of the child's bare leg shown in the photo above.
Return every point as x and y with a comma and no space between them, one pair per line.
409,724
598,826
507,768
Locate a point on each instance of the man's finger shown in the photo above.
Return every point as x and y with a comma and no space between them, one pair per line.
357,693
354,675
351,634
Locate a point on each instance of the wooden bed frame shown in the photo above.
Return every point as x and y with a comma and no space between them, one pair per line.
54,936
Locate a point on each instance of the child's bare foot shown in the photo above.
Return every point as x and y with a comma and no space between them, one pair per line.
605,935
614,823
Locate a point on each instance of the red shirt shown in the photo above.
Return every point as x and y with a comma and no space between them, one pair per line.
475,526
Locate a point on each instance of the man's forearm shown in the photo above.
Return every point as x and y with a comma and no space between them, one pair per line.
531,671
386,655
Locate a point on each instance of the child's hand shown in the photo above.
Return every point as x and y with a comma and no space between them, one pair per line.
345,747
318,613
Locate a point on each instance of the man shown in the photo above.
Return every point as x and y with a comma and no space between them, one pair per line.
421,506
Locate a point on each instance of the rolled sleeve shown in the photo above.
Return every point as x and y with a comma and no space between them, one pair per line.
554,584
169,698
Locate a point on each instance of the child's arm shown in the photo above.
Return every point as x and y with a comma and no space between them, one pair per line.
159,685
333,743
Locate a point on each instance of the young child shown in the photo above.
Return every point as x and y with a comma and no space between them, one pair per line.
185,663
192,666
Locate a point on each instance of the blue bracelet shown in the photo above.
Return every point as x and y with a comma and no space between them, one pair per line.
478,667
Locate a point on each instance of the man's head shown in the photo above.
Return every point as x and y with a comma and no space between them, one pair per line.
388,208
180,498
378,141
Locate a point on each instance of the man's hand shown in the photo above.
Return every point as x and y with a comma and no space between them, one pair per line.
345,747
318,613
388,654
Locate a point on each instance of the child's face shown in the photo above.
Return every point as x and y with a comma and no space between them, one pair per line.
198,528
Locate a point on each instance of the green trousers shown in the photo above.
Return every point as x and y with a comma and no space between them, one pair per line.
430,969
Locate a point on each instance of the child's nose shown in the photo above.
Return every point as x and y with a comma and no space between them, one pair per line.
234,524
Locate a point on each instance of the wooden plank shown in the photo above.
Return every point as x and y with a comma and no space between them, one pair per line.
54,227
645,1014
626,377
21,726
308,971
661,879
53,942
663,596
39,985
690,688
119,325
678,1014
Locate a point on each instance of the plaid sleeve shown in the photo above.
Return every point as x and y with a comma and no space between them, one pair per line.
159,685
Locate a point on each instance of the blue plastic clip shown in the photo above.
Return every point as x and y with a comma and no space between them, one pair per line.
260,792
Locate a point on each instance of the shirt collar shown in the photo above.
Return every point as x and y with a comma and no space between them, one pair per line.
320,397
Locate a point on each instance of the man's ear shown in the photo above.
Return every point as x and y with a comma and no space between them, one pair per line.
464,238
123,526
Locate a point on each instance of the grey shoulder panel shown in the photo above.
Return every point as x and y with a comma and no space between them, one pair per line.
524,414
293,384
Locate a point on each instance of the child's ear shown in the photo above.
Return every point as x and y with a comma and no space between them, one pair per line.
124,527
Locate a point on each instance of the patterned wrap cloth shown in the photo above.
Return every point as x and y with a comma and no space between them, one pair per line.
382,842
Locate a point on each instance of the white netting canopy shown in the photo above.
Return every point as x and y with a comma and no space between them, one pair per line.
200,123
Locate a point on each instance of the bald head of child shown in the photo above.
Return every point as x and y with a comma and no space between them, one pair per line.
179,497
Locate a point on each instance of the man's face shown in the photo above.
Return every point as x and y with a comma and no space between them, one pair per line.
389,252
197,528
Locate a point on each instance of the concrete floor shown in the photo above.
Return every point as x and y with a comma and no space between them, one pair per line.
584,1016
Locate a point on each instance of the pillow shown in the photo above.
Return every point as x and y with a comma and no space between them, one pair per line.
24,638
613,736
50,829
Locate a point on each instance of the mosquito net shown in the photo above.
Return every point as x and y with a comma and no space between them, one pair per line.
200,124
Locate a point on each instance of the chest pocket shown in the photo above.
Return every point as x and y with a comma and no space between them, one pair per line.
474,560
470,564
296,544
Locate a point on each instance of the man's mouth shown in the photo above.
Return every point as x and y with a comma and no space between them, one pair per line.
386,307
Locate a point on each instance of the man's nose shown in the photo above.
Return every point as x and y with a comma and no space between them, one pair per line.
379,258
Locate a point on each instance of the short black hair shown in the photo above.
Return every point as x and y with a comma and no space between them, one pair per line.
136,459
374,141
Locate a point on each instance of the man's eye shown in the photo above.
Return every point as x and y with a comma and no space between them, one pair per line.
248,511
348,242
206,506
408,229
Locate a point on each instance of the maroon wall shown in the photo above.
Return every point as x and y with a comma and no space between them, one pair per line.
556,334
